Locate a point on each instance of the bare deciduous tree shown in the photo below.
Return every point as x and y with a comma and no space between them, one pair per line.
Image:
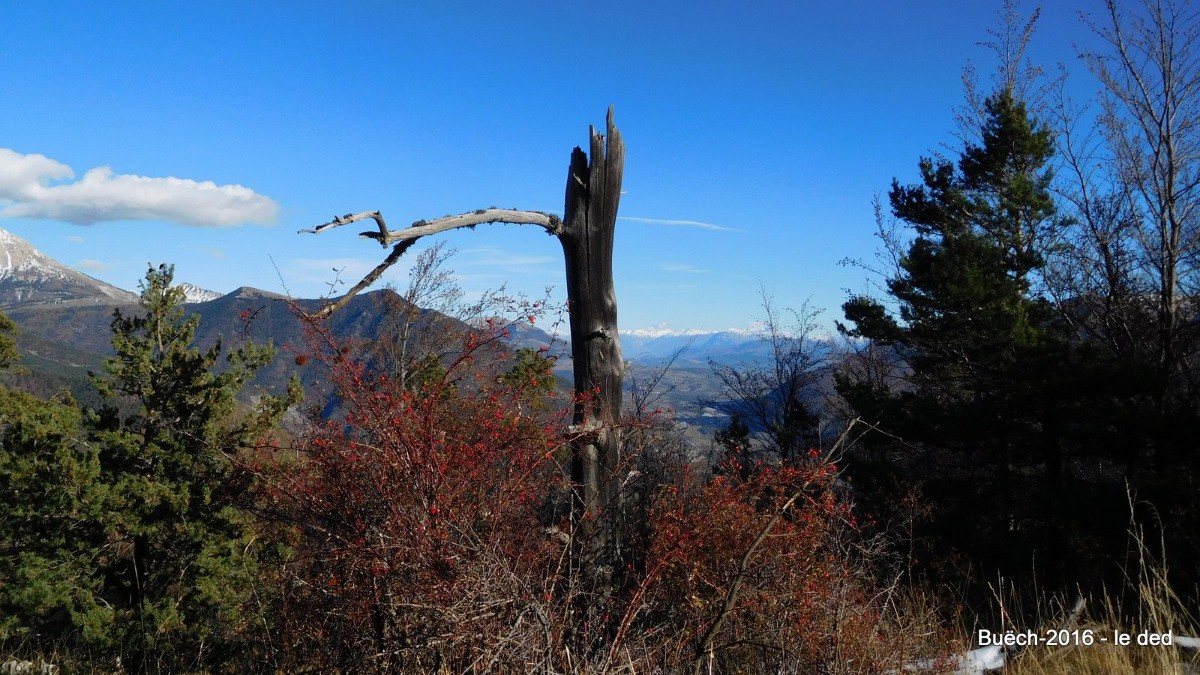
426,322
776,399
1150,120
1014,71
1094,276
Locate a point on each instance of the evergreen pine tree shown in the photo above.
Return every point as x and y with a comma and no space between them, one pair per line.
51,539
974,344
189,560
8,346
734,443
532,374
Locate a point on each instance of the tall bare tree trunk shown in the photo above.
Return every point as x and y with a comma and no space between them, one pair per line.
593,194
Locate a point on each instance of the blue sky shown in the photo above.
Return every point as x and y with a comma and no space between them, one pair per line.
768,127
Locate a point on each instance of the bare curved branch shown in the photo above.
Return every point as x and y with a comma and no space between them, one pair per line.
423,228
403,239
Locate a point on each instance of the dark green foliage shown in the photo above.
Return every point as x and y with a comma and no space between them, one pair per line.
51,533
50,541
977,397
964,316
532,371
123,532
8,347
187,561
734,443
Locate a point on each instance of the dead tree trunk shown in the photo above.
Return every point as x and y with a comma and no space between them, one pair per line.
593,193
586,233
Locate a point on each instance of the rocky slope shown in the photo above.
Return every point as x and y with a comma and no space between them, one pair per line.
29,277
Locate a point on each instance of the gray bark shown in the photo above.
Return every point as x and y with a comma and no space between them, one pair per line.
593,194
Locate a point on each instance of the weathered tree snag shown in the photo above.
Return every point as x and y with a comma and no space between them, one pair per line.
586,232
593,194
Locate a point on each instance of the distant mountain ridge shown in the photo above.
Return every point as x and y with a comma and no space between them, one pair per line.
654,333
694,347
30,277
65,319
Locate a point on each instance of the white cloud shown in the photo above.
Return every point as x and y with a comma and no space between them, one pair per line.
75,239
28,185
93,265
682,267
22,176
685,223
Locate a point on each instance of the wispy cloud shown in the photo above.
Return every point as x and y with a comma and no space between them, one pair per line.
214,252
661,287
680,223
75,239
93,265
492,258
682,267
494,267
31,187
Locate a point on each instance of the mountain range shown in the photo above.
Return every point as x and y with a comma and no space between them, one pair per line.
727,347
65,317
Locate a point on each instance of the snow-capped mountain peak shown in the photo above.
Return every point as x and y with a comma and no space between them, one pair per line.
30,277
654,333
193,293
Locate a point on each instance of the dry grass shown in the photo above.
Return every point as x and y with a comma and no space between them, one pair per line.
1106,656
1155,608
